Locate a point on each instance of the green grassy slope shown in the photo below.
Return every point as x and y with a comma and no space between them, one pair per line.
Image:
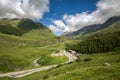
7,41
38,34
81,70
20,58
18,53
16,32
35,38
18,26
104,43
20,43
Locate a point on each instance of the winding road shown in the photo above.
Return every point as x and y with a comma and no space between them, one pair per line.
23,73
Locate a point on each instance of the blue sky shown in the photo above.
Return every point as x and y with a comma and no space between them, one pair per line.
58,8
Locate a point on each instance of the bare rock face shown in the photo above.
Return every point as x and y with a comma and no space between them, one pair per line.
106,64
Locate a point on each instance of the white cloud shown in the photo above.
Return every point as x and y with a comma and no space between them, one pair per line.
59,23
58,26
33,9
54,28
105,9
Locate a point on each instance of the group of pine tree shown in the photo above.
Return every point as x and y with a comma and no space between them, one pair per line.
104,43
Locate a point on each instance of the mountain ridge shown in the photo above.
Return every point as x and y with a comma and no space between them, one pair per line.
96,27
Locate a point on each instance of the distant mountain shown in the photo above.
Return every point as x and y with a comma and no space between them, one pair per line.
85,30
66,33
94,28
113,28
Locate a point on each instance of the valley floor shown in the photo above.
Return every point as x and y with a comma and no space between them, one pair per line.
88,67
23,73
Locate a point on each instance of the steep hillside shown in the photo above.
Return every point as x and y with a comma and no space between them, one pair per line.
37,34
115,27
18,26
24,32
85,30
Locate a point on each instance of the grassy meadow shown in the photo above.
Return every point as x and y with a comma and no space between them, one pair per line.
93,69
20,58
23,41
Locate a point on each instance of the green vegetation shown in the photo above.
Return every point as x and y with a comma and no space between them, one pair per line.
25,32
12,59
104,43
20,58
9,27
38,34
18,26
48,60
21,43
7,41
81,70
104,40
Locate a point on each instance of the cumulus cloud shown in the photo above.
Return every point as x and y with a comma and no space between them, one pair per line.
105,9
33,9
58,26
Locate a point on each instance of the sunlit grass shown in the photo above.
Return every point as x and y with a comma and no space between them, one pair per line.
81,70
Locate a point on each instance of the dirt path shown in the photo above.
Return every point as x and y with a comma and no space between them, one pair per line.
23,73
